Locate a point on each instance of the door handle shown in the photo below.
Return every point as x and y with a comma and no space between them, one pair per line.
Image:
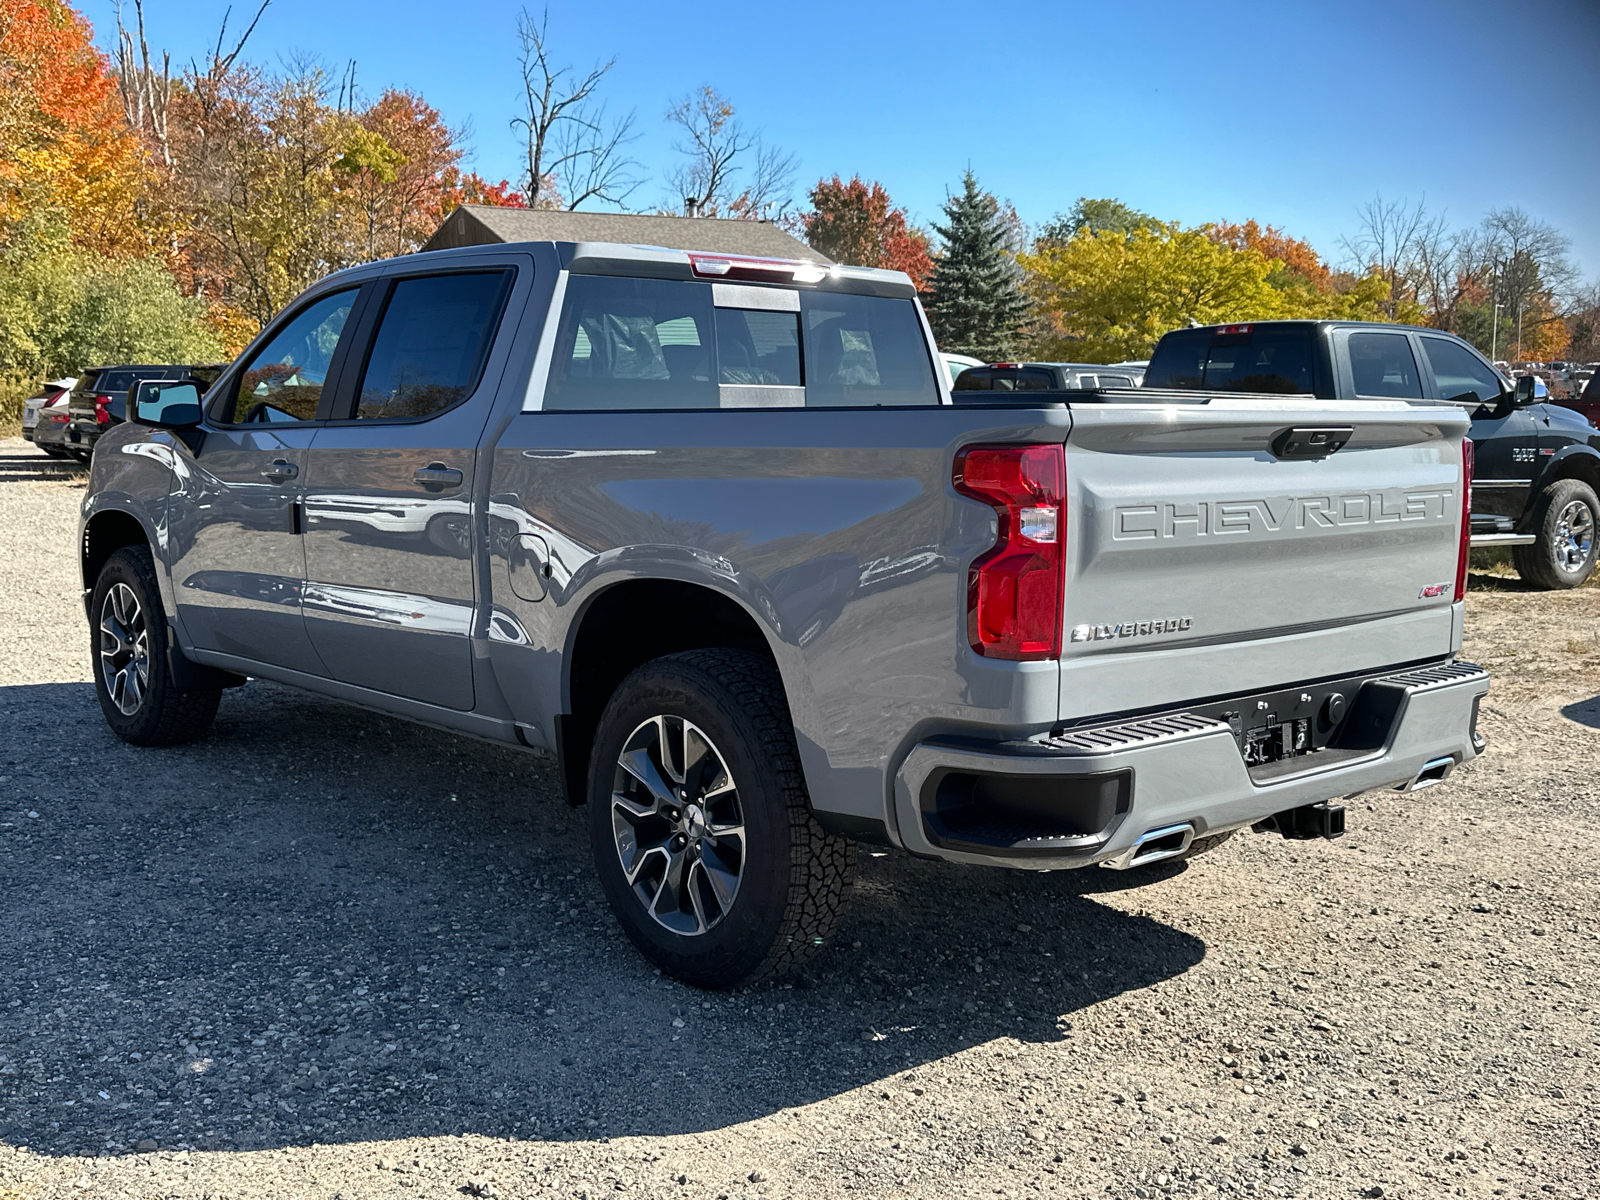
280,470
437,475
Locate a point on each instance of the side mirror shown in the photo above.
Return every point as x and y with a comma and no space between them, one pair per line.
1530,390
168,405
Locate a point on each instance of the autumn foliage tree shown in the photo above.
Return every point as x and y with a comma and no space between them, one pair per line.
1110,296
67,158
857,223
77,279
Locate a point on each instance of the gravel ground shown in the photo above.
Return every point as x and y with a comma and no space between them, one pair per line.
327,954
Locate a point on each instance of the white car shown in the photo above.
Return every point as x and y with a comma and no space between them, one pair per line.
53,392
954,364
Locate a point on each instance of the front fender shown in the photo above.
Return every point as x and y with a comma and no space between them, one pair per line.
132,474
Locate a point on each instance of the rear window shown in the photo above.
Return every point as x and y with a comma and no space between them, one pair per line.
1266,359
865,350
1004,379
121,381
633,344
628,343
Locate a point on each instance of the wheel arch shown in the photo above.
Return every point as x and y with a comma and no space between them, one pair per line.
104,533
1575,462
624,626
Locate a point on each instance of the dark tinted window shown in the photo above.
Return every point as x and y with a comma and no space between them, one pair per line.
283,380
1458,370
1003,379
633,343
758,347
431,345
1264,360
121,381
1382,365
865,350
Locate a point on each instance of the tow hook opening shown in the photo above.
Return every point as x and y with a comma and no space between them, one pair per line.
1306,823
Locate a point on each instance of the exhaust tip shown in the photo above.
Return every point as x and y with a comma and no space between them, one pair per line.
1154,845
1434,771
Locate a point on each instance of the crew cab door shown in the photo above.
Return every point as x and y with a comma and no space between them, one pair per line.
238,566
1505,439
389,533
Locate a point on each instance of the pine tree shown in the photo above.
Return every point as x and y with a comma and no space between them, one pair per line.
975,304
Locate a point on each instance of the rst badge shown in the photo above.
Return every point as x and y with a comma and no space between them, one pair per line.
1128,629
1434,590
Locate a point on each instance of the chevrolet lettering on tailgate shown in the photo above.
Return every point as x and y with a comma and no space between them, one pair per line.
1220,518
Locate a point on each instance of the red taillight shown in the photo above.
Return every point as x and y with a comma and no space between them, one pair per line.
1465,553
1014,591
1226,329
101,416
60,418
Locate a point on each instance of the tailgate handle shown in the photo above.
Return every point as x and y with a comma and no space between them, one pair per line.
1311,441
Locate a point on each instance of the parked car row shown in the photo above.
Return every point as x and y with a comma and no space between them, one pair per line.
99,400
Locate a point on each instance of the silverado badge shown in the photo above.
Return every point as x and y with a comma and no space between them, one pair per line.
1101,633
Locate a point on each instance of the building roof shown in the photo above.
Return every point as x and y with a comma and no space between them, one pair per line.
482,225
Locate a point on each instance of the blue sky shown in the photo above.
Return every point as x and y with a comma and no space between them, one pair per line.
1293,114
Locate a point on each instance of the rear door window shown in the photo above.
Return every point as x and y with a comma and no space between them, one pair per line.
864,351
431,344
1262,359
1382,365
1457,371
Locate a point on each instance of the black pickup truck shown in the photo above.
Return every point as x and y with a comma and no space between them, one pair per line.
1537,465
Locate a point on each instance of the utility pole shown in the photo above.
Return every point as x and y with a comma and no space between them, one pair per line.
1494,337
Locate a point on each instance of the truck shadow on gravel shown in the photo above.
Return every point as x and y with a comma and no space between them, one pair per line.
321,925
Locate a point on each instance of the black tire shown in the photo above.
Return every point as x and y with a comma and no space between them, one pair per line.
1566,517
160,714
53,451
792,874
1204,845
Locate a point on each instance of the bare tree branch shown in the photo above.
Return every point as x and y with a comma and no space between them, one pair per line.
145,95
591,163
1387,242
553,97
716,147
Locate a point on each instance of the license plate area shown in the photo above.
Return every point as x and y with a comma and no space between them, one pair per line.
1285,732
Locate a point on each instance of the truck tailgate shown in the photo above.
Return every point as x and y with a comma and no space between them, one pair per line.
1200,564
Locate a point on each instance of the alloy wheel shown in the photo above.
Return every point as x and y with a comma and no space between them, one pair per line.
124,649
678,825
1574,535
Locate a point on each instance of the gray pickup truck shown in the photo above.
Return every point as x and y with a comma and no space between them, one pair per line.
714,533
